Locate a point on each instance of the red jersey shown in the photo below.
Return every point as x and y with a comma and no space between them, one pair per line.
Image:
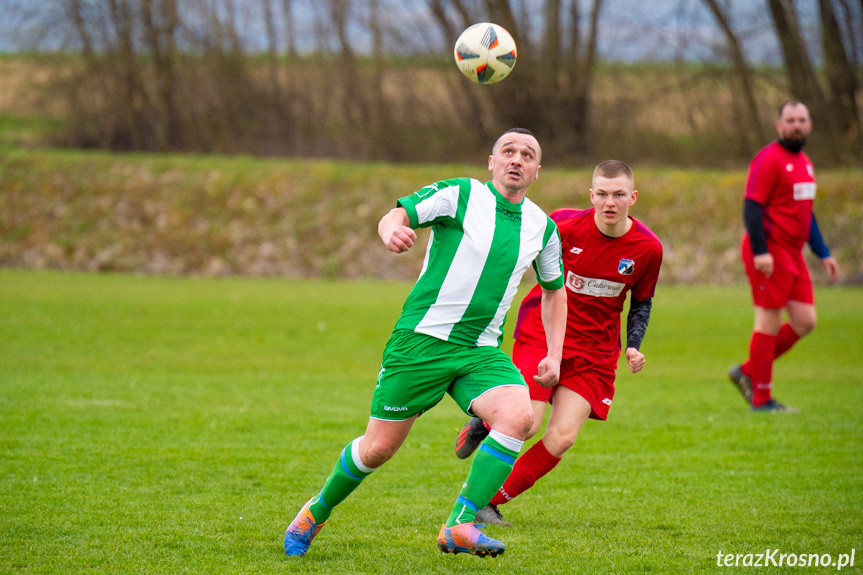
783,183
599,271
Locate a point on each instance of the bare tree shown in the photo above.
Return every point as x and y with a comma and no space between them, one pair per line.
160,27
577,79
743,74
476,121
379,118
278,128
801,75
181,74
838,115
553,91
439,12
121,20
841,75
852,31
551,49
290,33
354,105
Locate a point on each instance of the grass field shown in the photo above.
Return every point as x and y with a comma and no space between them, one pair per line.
175,425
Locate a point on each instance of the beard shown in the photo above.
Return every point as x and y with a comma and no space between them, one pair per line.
793,144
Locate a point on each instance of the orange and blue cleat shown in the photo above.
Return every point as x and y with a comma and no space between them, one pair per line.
467,538
301,531
470,437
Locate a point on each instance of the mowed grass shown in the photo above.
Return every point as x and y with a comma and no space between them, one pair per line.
175,425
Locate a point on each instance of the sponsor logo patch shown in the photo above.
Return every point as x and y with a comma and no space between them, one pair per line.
594,287
391,408
606,401
804,191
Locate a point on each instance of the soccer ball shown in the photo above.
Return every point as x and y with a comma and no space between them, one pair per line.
485,53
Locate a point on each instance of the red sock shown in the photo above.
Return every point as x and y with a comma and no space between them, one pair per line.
761,348
533,464
785,340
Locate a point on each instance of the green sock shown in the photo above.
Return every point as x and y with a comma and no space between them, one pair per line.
491,466
346,477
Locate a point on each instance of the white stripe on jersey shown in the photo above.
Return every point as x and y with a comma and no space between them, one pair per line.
443,203
467,265
429,245
532,232
548,262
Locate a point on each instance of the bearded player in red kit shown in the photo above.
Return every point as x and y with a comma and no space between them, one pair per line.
777,212
606,254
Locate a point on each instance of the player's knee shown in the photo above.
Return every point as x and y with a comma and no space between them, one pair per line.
377,452
517,422
557,442
536,423
805,326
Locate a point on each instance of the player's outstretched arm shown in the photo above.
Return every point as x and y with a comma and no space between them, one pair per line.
554,322
395,231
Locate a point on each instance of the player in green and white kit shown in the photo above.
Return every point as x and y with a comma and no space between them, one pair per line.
484,237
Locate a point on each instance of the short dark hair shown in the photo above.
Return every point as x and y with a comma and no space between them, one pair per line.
612,169
791,103
519,131
524,131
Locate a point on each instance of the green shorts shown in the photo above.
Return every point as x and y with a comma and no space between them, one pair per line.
418,369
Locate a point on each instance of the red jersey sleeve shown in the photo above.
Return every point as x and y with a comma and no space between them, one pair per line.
646,285
761,177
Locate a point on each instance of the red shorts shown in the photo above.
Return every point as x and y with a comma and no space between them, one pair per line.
594,382
789,281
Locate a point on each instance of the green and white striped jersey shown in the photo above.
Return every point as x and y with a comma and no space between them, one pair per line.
480,246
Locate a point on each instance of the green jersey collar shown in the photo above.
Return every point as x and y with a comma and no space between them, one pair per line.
503,201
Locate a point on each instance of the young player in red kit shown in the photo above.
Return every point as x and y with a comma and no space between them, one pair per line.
606,254
777,212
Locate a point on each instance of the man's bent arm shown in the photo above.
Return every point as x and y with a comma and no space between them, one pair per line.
637,320
394,230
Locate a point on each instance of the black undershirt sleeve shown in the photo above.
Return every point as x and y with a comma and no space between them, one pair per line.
754,221
637,320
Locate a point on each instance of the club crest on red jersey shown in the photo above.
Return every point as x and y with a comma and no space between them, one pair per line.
625,267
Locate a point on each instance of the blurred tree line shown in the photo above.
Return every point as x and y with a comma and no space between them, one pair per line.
378,82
